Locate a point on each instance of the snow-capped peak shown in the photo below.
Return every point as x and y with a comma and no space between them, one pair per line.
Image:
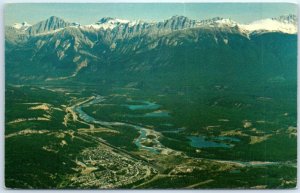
273,25
109,20
111,23
108,23
284,24
218,21
226,22
21,26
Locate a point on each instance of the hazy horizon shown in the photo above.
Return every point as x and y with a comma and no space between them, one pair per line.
88,13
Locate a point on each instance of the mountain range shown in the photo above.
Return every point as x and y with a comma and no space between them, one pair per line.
118,50
286,24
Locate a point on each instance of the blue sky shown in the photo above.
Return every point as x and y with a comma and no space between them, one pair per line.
87,13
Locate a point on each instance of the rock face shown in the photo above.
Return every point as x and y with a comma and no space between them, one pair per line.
176,23
290,19
114,48
51,24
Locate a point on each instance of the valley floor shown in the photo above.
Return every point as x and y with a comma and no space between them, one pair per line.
70,138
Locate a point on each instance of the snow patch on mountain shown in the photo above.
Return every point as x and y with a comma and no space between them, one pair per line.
271,25
107,23
284,24
21,26
226,22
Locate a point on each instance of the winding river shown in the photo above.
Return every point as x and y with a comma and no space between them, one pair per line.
77,108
